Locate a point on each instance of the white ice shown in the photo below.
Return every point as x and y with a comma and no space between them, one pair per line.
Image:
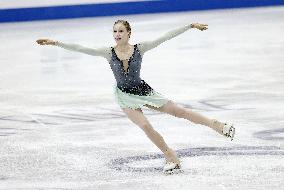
60,127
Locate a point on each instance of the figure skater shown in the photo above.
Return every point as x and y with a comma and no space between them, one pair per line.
132,93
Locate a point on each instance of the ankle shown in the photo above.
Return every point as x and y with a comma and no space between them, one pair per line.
169,152
217,126
171,156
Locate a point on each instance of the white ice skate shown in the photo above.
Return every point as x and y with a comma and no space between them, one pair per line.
171,168
229,131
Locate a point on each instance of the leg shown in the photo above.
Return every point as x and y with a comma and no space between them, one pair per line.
137,117
173,109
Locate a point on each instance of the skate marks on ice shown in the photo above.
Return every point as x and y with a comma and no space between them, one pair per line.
78,116
270,134
213,105
126,164
7,131
2,178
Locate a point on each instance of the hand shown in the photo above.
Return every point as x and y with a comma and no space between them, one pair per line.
46,42
199,26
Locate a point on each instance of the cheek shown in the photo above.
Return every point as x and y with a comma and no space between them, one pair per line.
126,34
123,36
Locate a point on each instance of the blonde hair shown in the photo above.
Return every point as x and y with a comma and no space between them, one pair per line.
126,24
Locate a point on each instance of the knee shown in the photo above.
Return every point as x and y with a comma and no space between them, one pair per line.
176,111
183,113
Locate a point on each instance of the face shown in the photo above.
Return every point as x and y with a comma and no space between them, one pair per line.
120,34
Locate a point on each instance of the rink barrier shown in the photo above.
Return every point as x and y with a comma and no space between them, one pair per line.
125,8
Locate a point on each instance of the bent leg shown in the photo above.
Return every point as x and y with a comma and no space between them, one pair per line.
173,109
137,117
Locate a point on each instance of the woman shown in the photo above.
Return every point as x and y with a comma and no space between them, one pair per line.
132,93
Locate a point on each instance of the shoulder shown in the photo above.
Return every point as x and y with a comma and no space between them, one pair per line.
104,51
142,47
104,48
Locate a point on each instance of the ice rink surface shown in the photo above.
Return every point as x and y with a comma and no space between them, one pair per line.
60,127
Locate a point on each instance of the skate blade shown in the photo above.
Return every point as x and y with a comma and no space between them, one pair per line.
232,132
173,171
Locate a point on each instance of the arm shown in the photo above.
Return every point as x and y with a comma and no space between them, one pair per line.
90,51
148,45
103,52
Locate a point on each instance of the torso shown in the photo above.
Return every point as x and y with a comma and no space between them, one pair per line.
124,57
126,69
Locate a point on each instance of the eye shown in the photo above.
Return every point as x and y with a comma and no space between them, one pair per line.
121,31
114,31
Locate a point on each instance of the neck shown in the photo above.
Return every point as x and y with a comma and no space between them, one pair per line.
123,47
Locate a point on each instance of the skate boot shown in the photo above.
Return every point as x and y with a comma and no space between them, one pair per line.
171,168
224,128
229,131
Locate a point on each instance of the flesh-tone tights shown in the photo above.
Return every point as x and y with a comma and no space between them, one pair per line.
137,117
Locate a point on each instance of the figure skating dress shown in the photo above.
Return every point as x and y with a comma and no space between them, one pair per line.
130,90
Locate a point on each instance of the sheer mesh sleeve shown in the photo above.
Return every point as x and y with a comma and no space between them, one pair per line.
148,45
102,52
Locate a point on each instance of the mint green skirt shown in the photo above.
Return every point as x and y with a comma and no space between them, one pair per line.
126,100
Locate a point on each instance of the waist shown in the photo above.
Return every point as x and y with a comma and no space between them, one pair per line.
128,82
141,88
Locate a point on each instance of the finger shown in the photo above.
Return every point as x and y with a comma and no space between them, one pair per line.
43,43
40,41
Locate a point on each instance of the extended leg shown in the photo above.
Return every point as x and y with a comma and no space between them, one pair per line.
173,109
137,117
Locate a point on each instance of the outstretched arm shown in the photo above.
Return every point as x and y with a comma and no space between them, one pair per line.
148,45
103,52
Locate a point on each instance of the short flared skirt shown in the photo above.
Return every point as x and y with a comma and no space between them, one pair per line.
127,100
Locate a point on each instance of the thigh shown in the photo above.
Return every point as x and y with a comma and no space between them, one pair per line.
136,116
170,108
